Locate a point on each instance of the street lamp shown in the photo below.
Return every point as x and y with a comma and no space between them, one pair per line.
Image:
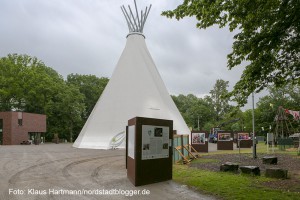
198,124
253,128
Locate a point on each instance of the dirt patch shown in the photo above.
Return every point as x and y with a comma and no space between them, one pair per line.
285,161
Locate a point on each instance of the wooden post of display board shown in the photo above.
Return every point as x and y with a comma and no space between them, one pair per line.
199,141
149,150
225,140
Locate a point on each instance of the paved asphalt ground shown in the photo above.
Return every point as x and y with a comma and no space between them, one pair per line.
50,171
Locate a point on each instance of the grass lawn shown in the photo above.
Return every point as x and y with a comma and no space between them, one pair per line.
229,186
260,148
224,185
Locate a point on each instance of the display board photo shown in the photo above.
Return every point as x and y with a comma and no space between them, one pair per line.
198,138
224,136
243,136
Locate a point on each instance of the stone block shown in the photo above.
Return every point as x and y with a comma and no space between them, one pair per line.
276,173
270,160
229,167
253,170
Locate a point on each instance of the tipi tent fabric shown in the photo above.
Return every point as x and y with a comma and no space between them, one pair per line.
135,89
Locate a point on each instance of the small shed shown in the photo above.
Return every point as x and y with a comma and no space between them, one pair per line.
17,127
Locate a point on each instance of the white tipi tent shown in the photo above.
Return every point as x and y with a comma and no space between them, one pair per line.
135,89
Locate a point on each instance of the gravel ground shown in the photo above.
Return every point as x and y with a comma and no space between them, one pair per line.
285,161
29,172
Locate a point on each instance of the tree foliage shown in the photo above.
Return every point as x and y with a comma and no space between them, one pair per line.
193,109
288,97
268,39
28,85
90,86
212,110
219,100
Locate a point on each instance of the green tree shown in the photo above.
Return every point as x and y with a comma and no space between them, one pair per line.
219,100
65,113
267,38
198,114
208,126
211,110
233,120
90,86
248,120
27,84
267,106
193,109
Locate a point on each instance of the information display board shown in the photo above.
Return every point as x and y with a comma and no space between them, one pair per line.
199,141
225,140
243,140
155,142
149,150
270,137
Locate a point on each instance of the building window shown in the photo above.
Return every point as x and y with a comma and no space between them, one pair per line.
20,118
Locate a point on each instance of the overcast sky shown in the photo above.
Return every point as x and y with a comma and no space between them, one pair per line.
88,37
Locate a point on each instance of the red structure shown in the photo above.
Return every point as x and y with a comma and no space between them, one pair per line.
16,127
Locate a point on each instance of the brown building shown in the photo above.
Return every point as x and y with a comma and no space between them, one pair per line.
16,127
